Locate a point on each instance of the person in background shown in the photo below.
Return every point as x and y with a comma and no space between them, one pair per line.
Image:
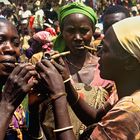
40,43
38,17
119,62
24,16
113,14
24,45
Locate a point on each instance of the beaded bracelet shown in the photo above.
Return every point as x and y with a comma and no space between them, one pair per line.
58,96
65,81
63,129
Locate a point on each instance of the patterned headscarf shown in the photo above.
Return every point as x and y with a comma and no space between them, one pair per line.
72,8
43,37
128,34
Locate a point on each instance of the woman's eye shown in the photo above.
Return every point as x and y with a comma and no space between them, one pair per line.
70,30
84,31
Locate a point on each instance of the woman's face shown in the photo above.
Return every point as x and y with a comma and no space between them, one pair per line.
77,32
9,48
111,65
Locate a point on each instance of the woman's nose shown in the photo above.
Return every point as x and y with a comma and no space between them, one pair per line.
78,36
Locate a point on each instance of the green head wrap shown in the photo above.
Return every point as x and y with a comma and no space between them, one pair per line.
72,8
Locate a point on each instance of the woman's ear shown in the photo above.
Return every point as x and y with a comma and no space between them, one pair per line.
131,64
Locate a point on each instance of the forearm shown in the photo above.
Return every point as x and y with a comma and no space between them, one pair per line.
87,114
6,112
62,119
34,123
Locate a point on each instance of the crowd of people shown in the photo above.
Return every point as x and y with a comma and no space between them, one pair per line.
69,74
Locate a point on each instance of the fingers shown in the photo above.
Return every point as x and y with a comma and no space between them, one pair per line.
58,66
22,69
44,65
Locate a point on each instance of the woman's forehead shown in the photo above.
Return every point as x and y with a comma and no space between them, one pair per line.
76,16
7,28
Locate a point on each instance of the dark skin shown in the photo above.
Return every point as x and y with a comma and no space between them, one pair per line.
127,81
13,78
77,31
110,19
47,71
123,71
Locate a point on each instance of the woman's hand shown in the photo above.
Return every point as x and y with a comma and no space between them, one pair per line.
61,67
19,84
58,63
50,76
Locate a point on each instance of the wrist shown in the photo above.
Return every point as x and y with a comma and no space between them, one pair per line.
6,109
68,79
57,96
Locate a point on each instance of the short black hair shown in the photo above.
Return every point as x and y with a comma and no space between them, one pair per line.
116,9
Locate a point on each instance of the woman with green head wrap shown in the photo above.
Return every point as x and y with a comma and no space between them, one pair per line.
72,8
77,25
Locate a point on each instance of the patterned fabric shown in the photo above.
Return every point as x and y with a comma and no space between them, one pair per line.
94,96
19,124
122,122
45,38
36,58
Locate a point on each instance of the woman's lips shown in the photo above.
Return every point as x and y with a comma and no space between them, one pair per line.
80,47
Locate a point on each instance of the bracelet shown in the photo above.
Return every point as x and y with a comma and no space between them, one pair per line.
58,95
78,97
63,129
65,81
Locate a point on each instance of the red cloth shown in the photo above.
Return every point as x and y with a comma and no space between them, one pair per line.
45,38
31,21
51,31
